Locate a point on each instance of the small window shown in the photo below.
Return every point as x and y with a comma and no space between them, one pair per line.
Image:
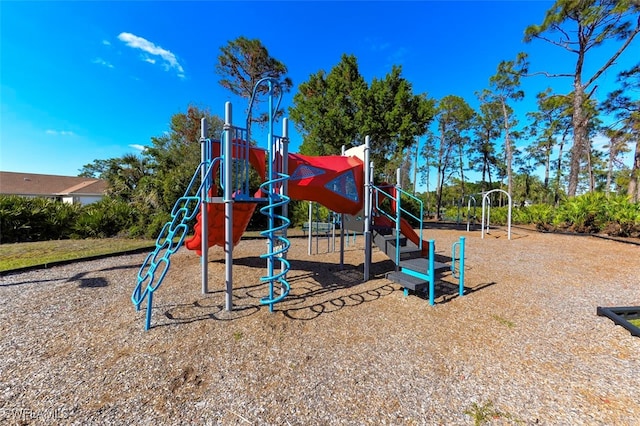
304,171
345,186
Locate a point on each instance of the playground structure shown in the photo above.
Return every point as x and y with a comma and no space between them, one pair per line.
486,211
342,183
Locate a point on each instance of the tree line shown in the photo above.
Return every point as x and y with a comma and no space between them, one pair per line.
338,107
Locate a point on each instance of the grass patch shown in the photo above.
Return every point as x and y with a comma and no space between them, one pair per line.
635,322
21,255
485,413
503,321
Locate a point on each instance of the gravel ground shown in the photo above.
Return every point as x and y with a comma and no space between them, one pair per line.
523,346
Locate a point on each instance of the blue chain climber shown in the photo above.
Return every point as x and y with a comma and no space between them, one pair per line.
157,263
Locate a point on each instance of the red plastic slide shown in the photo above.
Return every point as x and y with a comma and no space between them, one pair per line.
242,213
405,229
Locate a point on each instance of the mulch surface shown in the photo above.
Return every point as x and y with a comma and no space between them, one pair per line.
522,346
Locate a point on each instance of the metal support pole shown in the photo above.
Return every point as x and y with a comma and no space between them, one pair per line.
484,198
328,239
228,206
367,209
461,263
204,165
284,152
284,188
309,228
342,229
272,175
341,240
509,219
317,222
398,216
471,197
415,169
431,272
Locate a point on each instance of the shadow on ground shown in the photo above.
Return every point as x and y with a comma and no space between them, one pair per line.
316,289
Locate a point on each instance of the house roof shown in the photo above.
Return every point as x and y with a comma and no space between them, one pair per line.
12,183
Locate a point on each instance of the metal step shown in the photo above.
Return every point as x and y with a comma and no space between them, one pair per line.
392,239
421,264
387,244
382,230
390,248
407,281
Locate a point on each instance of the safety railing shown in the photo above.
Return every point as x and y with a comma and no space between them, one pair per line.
411,215
393,195
458,257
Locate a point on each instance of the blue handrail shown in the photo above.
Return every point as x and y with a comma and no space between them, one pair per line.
377,190
458,272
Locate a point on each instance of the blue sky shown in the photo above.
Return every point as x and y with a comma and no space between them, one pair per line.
93,80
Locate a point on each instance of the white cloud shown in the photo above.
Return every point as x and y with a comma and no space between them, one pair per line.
138,147
102,62
60,132
106,42
169,60
150,60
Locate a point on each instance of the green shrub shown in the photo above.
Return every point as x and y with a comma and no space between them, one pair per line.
158,220
452,214
499,215
541,214
521,216
59,222
106,218
585,213
298,212
35,219
11,220
623,217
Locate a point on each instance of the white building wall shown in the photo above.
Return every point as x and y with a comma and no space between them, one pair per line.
87,199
